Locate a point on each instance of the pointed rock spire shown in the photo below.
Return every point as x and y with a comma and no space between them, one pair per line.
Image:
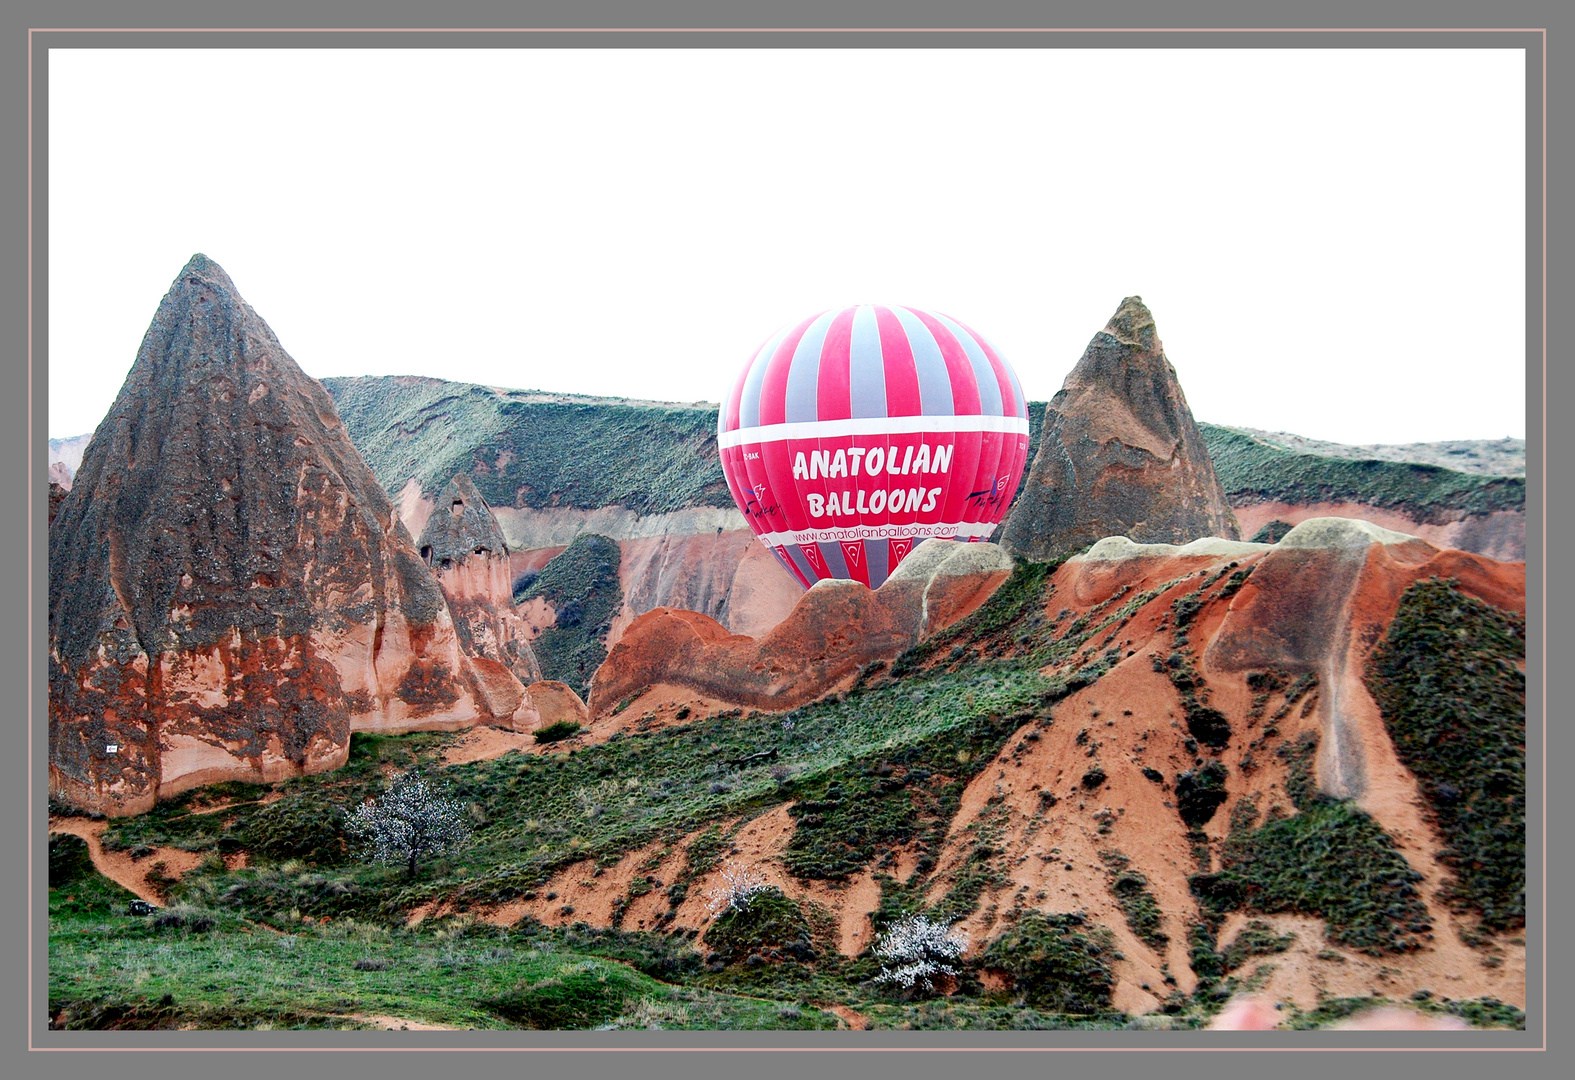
1120,453
230,590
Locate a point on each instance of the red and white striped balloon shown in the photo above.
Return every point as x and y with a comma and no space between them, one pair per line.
856,433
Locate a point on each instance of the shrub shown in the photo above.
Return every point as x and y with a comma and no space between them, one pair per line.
740,885
557,731
1199,793
768,925
1055,962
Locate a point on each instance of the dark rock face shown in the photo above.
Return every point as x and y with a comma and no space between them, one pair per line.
464,545
57,495
231,592
1120,455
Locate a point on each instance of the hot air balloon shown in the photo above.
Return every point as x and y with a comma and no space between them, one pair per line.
855,434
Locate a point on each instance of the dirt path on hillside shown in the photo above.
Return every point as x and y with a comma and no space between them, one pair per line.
119,866
395,1023
854,1019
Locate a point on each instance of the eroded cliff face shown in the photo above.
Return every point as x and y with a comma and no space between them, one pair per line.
231,592
1120,453
837,628
465,548
701,558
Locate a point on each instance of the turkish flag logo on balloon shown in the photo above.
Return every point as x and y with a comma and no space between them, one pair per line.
857,433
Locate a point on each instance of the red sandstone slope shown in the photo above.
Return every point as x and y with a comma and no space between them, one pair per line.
1315,605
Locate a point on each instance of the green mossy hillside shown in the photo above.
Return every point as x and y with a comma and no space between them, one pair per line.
581,583
1252,471
1447,679
527,449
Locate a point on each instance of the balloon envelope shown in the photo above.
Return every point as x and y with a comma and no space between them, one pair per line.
855,434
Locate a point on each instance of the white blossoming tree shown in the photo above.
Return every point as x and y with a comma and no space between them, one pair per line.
919,952
740,885
413,820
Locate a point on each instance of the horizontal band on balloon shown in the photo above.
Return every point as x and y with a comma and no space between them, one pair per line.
967,530
872,425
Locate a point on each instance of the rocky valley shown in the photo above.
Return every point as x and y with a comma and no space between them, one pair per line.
1214,717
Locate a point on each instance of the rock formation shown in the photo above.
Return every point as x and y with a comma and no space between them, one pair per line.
555,467
464,546
1120,454
555,702
835,629
231,592
57,495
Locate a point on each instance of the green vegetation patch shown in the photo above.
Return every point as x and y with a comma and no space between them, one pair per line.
1330,860
1253,471
1130,888
1257,938
527,449
1479,1012
852,813
769,927
1057,962
557,731
953,1014
126,972
1447,681
1272,532
77,891
581,583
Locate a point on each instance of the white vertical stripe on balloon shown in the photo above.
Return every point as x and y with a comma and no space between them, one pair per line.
989,390
803,378
935,382
749,404
866,366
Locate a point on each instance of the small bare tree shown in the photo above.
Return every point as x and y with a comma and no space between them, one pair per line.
414,820
740,885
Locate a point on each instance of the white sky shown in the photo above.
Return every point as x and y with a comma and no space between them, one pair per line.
1332,243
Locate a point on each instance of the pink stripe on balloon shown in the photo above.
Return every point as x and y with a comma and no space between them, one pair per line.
834,393
902,380
965,389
